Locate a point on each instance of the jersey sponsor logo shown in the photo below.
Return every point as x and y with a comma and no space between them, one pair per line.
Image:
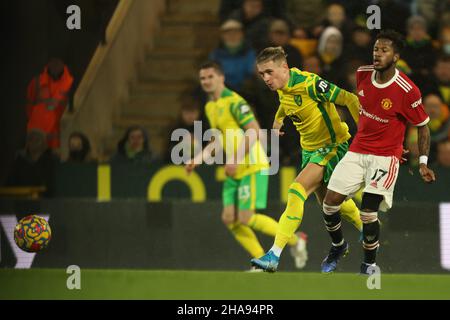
372,116
298,100
386,104
322,86
416,103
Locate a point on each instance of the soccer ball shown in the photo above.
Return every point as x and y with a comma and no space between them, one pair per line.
32,233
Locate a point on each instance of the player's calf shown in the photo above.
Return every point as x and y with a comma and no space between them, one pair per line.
332,219
371,234
339,248
371,226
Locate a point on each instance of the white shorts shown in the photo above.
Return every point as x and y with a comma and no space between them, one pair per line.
377,174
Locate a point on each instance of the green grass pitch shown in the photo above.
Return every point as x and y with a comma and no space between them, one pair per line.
180,285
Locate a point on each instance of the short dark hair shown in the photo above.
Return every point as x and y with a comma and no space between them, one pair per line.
271,54
212,64
397,39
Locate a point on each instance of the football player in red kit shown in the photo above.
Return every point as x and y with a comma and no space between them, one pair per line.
389,100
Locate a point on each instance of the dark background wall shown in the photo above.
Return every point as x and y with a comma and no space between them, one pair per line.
31,33
181,235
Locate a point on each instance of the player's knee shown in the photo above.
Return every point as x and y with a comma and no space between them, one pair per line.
245,216
333,198
371,202
228,217
330,209
368,217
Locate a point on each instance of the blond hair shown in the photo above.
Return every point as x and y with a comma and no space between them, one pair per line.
275,54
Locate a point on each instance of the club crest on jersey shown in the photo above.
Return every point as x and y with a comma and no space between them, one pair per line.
298,100
386,104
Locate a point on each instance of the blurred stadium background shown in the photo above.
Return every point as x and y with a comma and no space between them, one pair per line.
138,227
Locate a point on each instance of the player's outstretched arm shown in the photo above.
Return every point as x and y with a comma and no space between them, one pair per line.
323,91
345,98
278,121
277,127
424,149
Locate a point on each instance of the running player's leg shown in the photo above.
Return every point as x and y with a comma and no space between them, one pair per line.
306,183
252,193
345,180
349,211
380,178
371,228
242,233
308,180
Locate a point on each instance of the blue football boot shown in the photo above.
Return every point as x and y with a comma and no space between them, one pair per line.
330,262
268,262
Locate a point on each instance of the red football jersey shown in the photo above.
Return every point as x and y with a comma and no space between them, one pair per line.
385,111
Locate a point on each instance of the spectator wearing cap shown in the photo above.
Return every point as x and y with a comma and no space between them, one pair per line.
235,55
280,36
419,52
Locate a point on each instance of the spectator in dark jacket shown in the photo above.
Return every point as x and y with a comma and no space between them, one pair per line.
419,52
439,80
272,8
134,147
330,51
360,46
255,22
34,165
189,113
279,35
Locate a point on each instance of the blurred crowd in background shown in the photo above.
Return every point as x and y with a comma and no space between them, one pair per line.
328,38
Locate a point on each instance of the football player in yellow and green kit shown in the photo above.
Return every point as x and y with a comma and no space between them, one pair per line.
245,188
309,102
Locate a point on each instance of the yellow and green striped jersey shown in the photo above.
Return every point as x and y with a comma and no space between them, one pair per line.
229,114
308,101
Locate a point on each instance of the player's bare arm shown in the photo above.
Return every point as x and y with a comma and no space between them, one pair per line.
424,149
277,127
204,155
